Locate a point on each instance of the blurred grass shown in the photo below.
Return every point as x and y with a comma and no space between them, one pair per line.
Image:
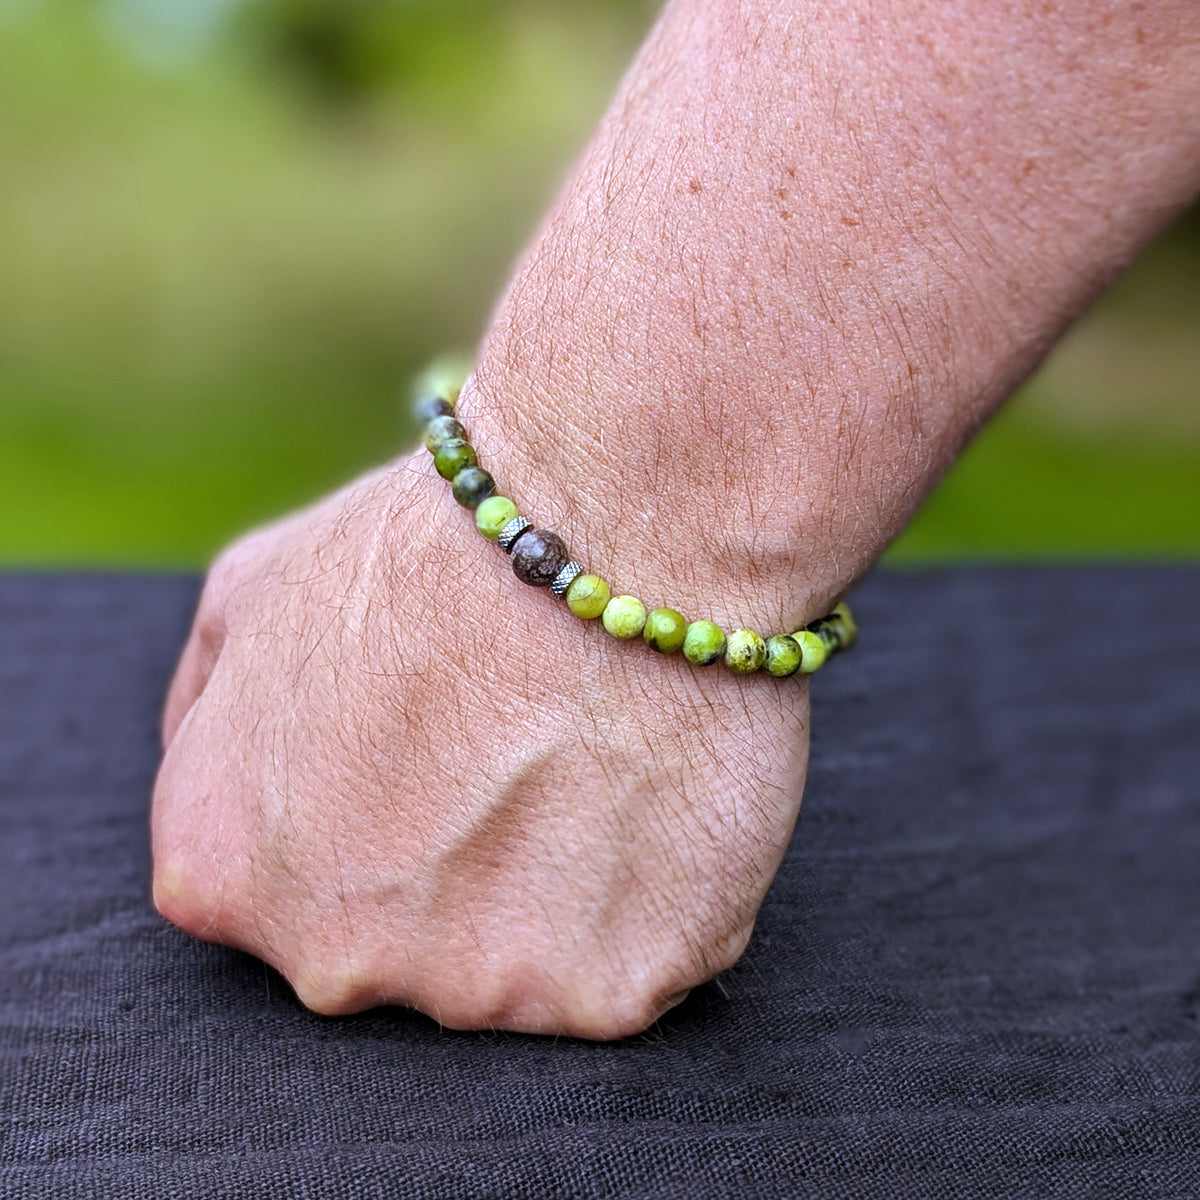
1098,456
219,256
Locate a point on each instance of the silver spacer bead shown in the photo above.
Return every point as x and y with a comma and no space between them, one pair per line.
507,538
566,577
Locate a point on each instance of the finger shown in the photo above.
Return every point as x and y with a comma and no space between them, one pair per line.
195,668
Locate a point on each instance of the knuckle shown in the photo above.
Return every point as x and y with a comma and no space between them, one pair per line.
219,581
218,587
330,990
335,988
731,948
511,991
607,1014
230,570
182,897
532,985
465,1014
490,996
171,894
210,626
619,1005
606,1007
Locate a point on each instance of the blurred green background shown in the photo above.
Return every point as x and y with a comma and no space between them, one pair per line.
228,228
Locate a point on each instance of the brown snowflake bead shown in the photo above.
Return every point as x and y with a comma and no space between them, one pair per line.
538,557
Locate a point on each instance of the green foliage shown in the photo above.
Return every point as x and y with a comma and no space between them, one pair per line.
1026,492
218,259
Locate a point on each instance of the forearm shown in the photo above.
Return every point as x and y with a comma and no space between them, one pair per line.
810,248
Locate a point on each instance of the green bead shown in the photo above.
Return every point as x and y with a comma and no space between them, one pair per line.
493,514
844,626
428,408
473,486
624,617
824,629
704,643
783,656
745,651
813,651
588,596
443,429
453,456
665,630
443,378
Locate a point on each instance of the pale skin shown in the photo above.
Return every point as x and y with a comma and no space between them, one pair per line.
810,248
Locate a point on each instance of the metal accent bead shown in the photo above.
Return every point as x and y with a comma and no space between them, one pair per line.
507,537
566,577
542,560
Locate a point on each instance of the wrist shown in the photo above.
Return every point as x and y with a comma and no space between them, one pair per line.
666,510
657,519
539,557
761,320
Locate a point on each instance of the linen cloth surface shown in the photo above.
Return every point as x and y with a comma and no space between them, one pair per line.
977,974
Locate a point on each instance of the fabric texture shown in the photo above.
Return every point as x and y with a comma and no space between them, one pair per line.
977,974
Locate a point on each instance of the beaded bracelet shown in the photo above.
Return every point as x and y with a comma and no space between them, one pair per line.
540,558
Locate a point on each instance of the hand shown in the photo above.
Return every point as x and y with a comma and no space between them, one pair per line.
805,255
400,775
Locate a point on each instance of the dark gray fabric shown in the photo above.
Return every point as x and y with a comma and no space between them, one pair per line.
977,975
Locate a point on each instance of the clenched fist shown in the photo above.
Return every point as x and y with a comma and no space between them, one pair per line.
809,249
399,775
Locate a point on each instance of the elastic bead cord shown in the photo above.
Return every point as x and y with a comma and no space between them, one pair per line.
540,558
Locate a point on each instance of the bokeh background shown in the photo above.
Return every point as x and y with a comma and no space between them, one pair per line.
230,228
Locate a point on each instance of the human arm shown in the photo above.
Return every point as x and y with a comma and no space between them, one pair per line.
809,249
